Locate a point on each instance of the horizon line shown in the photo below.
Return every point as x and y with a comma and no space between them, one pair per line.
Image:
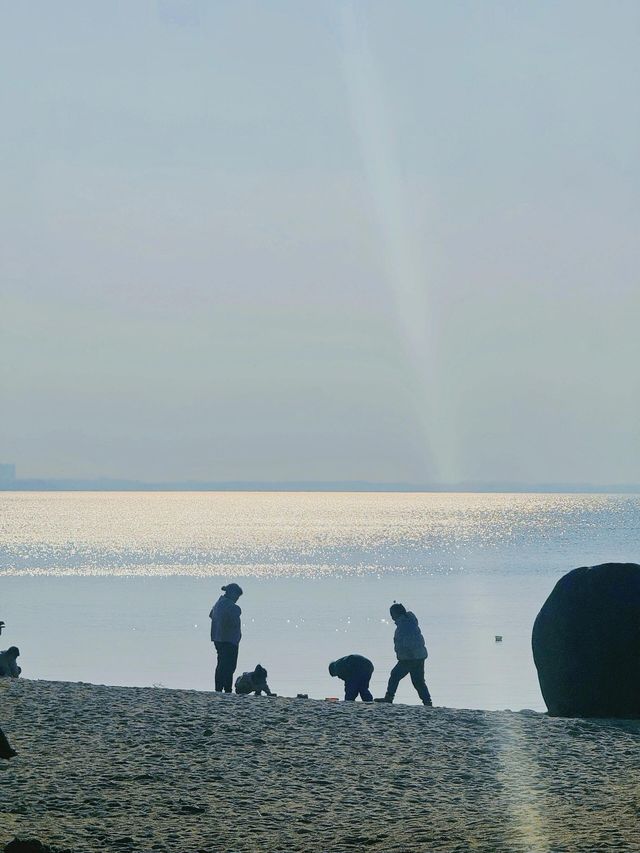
469,486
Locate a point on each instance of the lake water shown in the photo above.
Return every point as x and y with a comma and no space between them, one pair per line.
116,588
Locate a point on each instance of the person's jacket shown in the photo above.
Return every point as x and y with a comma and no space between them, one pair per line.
8,666
225,621
408,640
249,682
352,666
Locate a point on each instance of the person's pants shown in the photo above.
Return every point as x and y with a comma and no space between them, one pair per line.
415,668
358,686
227,662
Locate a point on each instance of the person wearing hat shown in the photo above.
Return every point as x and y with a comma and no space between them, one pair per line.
411,651
226,634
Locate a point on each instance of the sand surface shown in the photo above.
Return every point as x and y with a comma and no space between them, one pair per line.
128,769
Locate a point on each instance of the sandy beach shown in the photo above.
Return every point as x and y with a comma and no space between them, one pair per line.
148,769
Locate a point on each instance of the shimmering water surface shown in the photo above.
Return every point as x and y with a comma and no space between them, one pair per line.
311,534
116,588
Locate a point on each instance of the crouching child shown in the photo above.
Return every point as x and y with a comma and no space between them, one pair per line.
253,682
9,663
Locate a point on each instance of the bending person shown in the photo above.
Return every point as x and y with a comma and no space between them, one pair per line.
226,633
411,652
356,672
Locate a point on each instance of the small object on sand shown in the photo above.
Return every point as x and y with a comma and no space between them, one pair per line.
331,699
189,808
498,638
302,696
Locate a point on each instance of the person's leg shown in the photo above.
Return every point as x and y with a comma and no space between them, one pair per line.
230,663
351,690
219,667
225,668
397,673
365,693
417,679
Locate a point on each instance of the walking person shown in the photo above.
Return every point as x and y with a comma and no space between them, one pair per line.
356,672
411,652
226,633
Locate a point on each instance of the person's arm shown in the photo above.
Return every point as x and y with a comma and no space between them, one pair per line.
263,687
402,643
14,669
237,623
212,623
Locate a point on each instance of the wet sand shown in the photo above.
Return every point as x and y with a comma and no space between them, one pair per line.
149,769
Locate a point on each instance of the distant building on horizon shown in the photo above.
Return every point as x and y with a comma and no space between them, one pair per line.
7,473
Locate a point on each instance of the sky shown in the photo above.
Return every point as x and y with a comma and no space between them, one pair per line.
388,241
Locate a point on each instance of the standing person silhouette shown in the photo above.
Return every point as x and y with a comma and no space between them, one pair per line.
226,633
411,652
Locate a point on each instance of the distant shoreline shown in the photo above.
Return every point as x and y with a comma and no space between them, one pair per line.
113,485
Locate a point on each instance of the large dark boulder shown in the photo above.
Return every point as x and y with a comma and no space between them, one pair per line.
586,643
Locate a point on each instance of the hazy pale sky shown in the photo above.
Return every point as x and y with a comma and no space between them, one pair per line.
301,240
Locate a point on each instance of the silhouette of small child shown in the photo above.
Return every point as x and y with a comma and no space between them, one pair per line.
253,682
9,663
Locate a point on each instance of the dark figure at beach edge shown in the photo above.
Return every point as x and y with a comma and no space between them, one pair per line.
356,672
411,652
6,750
226,634
9,663
253,682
